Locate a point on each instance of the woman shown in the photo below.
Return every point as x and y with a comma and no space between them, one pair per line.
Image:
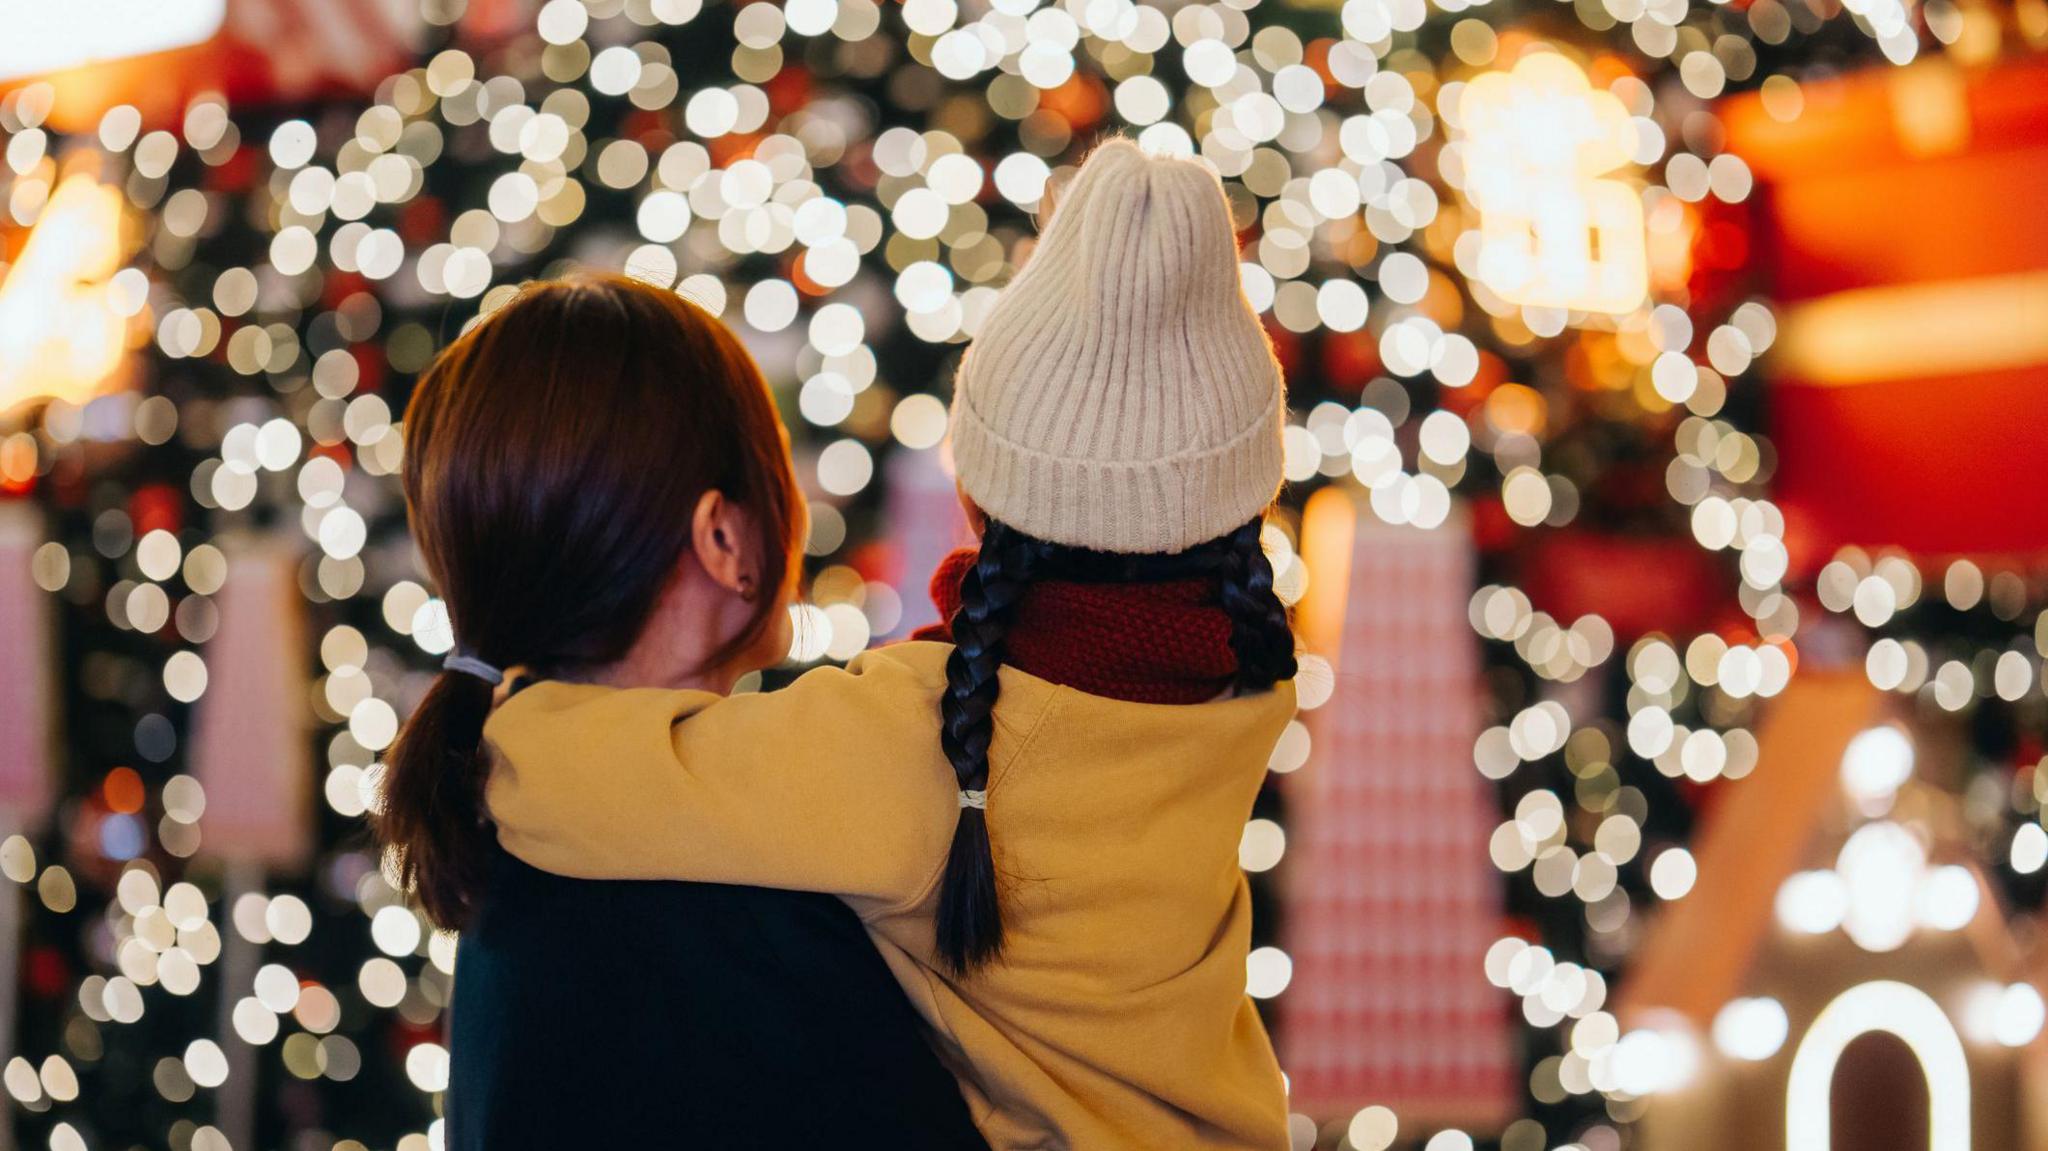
601,491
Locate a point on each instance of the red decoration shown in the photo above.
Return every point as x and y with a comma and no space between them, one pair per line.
1939,466
1350,360
423,221
371,366
157,506
1892,433
236,175
1638,584
877,560
1286,345
788,90
47,975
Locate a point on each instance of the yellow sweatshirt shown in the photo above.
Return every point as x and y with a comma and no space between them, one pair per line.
1116,1016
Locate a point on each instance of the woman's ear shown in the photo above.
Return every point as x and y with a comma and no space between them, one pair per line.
723,540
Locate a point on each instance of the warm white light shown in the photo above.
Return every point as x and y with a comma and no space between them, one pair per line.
1880,866
1875,765
2010,1016
1268,971
206,1063
1648,1061
2029,849
1812,902
427,1066
1261,845
51,37
1539,140
1948,898
1751,1029
1373,1129
2020,1015
395,930
1672,873
1906,1012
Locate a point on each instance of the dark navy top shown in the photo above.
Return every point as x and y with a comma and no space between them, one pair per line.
684,1015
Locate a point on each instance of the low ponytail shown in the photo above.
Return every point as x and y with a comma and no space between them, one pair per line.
970,920
1259,633
433,806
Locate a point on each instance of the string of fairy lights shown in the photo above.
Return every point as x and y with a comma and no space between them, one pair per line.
868,221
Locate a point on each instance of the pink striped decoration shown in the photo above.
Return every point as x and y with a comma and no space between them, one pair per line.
251,744
309,45
1392,899
925,524
28,689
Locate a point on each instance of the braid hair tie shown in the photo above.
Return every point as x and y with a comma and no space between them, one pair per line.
977,800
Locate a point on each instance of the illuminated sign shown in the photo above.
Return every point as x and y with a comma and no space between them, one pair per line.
49,37
1538,144
61,333
1906,1012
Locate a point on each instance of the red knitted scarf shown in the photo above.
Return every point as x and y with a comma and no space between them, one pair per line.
1142,642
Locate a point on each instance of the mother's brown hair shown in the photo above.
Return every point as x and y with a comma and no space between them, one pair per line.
554,457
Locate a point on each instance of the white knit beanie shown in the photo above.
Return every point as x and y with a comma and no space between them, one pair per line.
1121,395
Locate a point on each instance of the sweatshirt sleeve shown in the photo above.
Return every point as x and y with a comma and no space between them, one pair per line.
835,783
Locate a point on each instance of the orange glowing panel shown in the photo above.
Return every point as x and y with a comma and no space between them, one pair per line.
44,38
1540,144
61,333
1329,524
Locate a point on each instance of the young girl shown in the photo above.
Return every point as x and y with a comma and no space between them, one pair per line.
1038,821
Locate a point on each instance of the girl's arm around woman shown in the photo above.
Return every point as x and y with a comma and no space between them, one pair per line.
834,783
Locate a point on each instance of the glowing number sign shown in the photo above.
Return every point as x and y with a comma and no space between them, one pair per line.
60,335
1537,143
1906,1012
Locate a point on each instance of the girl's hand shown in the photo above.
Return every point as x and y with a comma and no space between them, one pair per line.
516,677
